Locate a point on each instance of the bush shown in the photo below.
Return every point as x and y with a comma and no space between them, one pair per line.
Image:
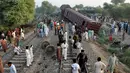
112,49
125,60
4,28
127,53
102,40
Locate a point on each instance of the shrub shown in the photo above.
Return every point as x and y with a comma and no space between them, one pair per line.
102,40
112,49
127,52
125,60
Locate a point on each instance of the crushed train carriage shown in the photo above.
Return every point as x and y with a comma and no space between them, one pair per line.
77,18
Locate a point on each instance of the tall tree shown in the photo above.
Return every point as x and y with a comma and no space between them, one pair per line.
98,9
46,8
80,6
120,11
16,12
107,6
117,1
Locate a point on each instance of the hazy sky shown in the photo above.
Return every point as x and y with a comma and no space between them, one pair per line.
73,2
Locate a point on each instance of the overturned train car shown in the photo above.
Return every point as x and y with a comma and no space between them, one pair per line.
79,19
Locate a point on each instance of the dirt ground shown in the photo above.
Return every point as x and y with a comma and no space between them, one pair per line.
100,51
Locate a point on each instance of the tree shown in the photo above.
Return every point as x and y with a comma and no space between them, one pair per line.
107,9
16,12
126,10
107,6
98,9
117,1
46,8
80,6
118,11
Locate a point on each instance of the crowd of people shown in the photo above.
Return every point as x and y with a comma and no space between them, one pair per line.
122,27
117,26
42,29
75,42
13,38
76,36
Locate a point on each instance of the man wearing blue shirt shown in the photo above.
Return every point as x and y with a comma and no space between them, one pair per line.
12,67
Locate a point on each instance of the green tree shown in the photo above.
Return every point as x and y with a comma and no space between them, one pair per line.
98,9
126,10
80,6
107,9
117,1
118,11
16,12
107,6
46,8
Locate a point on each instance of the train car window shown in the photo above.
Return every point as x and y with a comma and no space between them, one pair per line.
67,13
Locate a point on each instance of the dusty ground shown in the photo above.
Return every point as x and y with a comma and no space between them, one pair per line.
99,51
44,63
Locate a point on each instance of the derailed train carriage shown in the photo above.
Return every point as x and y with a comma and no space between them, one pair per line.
79,19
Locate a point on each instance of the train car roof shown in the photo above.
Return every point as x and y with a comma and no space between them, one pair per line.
64,7
81,15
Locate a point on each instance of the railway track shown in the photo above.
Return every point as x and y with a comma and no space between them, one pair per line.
52,65
65,66
43,61
20,60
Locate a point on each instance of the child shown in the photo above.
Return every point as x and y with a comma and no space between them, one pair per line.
95,37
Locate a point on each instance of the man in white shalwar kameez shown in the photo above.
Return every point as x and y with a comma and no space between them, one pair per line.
14,35
64,47
99,66
114,23
116,30
21,30
85,35
22,35
65,36
73,29
97,19
112,62
31,52
28,56
46,30
79,46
